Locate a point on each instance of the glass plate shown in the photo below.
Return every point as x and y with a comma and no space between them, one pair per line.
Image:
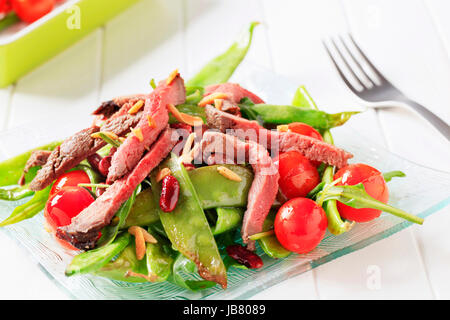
423,192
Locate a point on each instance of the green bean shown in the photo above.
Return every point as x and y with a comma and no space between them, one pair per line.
28,209
221,68
93,260
187,227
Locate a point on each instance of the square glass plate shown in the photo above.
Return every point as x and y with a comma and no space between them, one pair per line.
423,192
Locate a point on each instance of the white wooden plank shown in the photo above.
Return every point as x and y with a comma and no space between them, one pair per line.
63,88
144,42
411,54
440,11
5,99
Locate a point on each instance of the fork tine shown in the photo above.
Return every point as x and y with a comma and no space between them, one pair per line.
355,76
341,74
368,78
366,59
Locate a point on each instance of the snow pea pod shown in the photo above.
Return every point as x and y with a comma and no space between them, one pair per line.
28,209
227,219
11,170
221,68
223,193
183,269
270,244
159,259
15,193
93,260
281,114
125,261
187,226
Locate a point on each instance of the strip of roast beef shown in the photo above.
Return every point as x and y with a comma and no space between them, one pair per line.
83,230
78,147
154,119
276,141
37,158
216,148
235,94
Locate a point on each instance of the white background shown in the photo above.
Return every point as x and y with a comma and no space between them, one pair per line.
409,40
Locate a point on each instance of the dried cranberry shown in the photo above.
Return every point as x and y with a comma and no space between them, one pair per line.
244,256
169,193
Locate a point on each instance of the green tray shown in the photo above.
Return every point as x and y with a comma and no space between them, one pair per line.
24,48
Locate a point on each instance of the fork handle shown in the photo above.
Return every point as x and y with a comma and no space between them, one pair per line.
433,119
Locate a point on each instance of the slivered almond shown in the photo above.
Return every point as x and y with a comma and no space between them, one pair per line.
210,98
183,117
109,134
136,107
151,124
227,173
172,76
164,172
283,128
150,278
138,134
147,236
139,241
218,103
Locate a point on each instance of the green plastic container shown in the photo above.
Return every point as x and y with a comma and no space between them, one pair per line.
22,48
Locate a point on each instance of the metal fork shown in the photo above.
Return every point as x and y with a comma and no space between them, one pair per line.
376,88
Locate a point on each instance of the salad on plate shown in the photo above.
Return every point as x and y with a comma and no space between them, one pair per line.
192,177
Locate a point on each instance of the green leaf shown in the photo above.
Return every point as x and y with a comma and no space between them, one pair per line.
393,174
28,209
357,197
93,260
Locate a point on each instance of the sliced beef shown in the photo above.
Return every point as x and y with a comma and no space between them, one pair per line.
78,147
37,158
276,141
154,119
116,107
216,148
235,94
84,228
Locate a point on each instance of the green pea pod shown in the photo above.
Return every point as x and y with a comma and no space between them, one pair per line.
221,68
223,193
11,170
159,259
183,269
109,232
227,219
279,114
15,193
187,226
191,109
144,211
270,244
125,261
93,260
28,209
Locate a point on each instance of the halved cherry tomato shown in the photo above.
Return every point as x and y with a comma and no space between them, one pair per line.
70,179
31,10
304,129
63,206
298,176
375,186
300,225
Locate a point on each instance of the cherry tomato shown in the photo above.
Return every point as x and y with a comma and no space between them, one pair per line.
5,6
298,176
300,225
70,179
375,186
304,129
31,10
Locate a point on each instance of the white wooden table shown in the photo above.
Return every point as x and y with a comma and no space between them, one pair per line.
409,40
